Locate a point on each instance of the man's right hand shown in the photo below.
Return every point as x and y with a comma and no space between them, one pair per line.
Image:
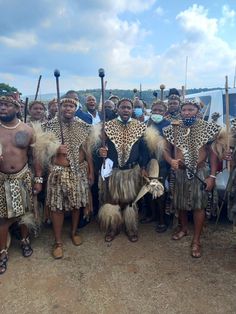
103,152
62,150
175,163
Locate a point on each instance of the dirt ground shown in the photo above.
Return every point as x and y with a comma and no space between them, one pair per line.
154,275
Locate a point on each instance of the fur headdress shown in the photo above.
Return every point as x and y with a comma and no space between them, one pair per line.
37,102
68,100
125,99
193,102
10,99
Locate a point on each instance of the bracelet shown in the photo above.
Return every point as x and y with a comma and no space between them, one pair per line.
211,176
38,180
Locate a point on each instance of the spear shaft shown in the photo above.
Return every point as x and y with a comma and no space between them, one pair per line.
26,109
37,90
57,74
101,74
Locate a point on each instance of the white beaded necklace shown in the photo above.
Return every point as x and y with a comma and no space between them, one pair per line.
11,127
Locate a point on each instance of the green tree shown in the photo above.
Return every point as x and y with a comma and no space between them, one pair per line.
6,89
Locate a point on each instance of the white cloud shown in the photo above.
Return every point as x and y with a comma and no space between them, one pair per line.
82,46
159,11
228,16
194,20
19,40
134,6
95,33
210,58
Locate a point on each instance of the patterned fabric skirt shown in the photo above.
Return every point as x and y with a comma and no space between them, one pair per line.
190,194
67,190
16,193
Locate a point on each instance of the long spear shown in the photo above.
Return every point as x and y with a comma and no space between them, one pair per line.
57,74
101,74
37,90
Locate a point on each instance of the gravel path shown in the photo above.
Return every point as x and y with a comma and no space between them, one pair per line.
155,275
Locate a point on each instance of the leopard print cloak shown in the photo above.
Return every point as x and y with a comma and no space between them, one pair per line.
75,134
190,140
123,136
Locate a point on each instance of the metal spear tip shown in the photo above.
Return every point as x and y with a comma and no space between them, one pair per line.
162,86
101,72
56,73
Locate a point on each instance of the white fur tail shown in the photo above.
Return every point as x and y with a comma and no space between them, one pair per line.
131,219
110,218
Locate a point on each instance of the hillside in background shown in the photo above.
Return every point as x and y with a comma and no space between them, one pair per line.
146,95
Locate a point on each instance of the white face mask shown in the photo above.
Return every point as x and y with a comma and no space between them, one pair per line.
157,118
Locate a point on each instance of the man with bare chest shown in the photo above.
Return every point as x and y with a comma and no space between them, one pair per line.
16,202
70,174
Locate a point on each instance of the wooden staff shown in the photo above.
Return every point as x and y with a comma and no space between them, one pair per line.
227,117
162,87
26,109
183,92
135,92
100,101
140,91
37,90
101,74
57,74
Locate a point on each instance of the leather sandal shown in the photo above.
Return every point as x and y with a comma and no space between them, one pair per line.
57,252
110,236
76,239
179,235
3,261
133,237
196,250
27,250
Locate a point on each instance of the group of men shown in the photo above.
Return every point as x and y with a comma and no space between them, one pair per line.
74,151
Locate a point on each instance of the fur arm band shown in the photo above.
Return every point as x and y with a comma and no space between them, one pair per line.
45,145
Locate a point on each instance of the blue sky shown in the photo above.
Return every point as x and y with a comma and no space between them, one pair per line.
135,41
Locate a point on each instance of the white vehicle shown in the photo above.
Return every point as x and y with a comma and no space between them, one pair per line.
214,102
